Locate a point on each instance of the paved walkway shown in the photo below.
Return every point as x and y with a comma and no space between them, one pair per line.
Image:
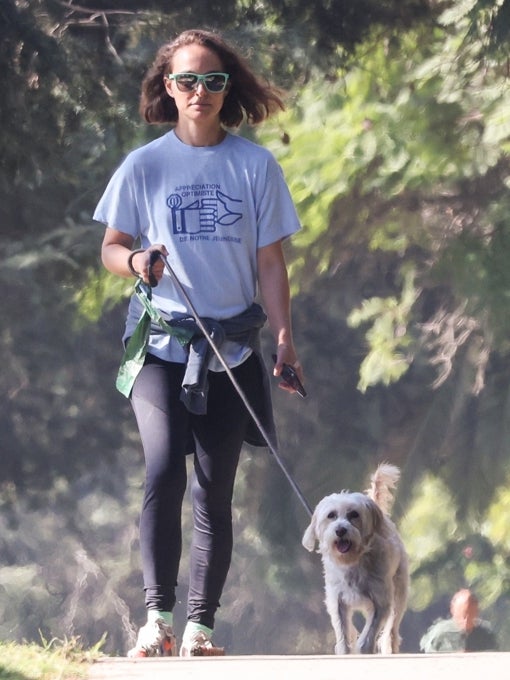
490,665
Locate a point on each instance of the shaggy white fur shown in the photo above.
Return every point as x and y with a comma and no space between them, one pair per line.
365,564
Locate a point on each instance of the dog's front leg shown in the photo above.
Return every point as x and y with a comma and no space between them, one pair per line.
342,627
339,614
368,638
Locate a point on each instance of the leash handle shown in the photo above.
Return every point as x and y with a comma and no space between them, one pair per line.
290,376
153,258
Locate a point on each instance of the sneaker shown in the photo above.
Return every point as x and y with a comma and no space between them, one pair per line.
154,639
199,644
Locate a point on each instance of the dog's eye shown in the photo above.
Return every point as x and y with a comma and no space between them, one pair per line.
332,515
353,514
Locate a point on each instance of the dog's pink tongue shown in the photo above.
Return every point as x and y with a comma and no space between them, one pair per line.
344,545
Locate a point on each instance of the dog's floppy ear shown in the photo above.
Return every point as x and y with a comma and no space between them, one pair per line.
376,516
310,535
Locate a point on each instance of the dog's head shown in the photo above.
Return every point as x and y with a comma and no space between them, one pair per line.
343,525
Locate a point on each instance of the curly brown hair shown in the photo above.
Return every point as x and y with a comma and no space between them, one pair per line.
249,98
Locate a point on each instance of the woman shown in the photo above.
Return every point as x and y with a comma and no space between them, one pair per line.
217,207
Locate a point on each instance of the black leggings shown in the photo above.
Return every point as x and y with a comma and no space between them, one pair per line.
168,432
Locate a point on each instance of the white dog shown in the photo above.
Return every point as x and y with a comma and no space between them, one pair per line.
365,564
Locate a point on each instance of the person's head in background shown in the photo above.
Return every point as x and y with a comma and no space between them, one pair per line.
464,609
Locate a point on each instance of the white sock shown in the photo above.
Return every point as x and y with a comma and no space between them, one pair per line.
193,627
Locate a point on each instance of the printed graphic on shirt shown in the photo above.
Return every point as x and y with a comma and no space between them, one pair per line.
203,217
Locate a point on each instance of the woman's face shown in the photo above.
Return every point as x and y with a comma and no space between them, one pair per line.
198,105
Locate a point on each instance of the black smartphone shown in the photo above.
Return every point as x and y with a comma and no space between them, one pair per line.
290,376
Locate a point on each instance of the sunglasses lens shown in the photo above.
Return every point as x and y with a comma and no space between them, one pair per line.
215,82
186,82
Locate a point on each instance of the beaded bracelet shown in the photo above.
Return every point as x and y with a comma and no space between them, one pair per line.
130,262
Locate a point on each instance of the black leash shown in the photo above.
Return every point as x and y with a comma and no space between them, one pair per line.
271,444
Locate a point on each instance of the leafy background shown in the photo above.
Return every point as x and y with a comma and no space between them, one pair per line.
395,146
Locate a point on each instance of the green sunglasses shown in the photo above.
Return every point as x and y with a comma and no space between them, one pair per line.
188,82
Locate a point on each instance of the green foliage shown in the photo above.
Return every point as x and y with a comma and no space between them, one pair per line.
100,294
427,527
386,361
497,522
64,659
406,151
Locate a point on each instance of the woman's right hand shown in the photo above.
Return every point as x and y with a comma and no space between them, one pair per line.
117,253
148,265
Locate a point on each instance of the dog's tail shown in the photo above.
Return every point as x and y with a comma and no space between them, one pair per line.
382,483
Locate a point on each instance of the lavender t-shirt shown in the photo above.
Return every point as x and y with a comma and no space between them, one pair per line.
212,207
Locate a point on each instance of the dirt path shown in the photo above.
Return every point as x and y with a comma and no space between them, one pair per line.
494,666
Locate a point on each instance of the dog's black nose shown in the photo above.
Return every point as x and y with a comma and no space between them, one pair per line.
341,532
